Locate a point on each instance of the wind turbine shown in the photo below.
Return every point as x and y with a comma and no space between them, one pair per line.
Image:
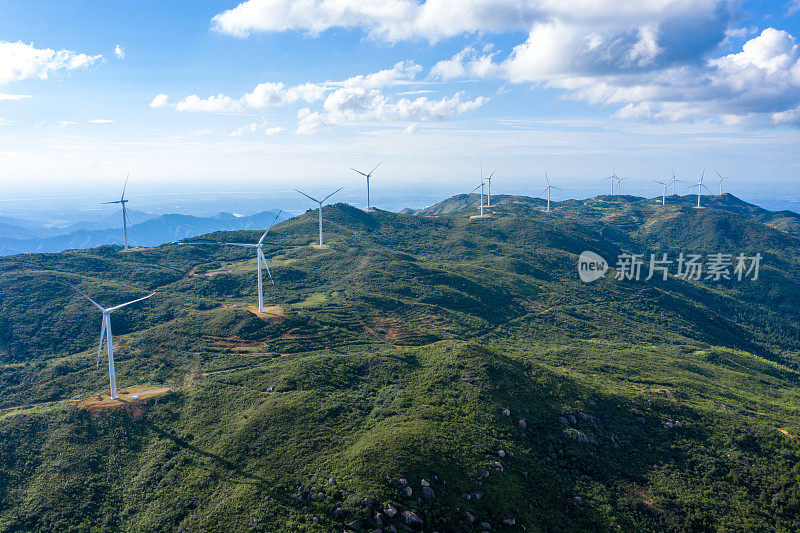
125,220
367,175
547,189
664,194
489,190
105,333
481,186
320,208
612,177
260,258
721,179
700,187
673,181
619,182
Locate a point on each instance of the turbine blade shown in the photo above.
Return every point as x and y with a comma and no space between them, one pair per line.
124,187
264,261
478,187
97,305
129,303
270,226
351,168
102,336
307,196
117,202
331,194
718,174
374,169
493,171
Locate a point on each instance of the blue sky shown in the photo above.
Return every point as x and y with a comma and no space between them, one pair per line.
430,88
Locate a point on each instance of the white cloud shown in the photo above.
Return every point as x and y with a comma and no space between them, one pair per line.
119,51
255,127
6,96
65,123
213,104
161,100
101,121
358,98
20,61
411,129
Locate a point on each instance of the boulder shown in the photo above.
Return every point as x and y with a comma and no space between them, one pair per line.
390,511
410,518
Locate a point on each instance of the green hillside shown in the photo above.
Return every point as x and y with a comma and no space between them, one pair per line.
427,371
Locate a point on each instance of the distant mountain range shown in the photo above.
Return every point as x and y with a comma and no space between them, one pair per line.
19,236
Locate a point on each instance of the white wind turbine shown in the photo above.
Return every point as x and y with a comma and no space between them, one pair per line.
105,333
721,179
260,258
619,182
320,202
547,190
125,220
673,181
700,187
489,188
481,187
368,175
664,194
612,177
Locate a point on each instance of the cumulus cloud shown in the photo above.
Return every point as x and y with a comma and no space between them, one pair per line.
20,61
160,100
213,104
358,98
119,51
647,59
101,121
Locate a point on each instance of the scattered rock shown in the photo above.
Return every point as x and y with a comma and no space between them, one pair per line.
501,453
402,481
410,518
315,520
640,419
522,423
589,418
377,520
469,516
579,436
572,420
331,481
498,465
578,500
367,502
465,496
270,389
485,525
482,472
390,511
267,498
506,412
428,493
407,492
338,512
425,483
478,495
563,420
509,522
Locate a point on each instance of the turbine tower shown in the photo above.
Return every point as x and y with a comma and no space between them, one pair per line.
612,177
320,202
721,179
481,187
547,190
619,182
673,181
489,188
105,333
664,194
260,258
700,187
125,220
368,175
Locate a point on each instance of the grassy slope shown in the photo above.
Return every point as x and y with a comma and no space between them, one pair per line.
400,348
